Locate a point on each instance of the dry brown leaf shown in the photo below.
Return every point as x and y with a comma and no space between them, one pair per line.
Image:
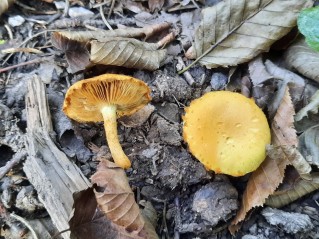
291,154
155,5
282,127
138,118
233,32
305,60
264,181
309,144
311,107
127,52
258,72
299,189
88,221
130,32
76,53
116,200
4,5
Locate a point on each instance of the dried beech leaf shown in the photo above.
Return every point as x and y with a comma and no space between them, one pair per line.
102,35
4,5
155,5
300,188
309,144
88,221
262,183
305,60
138,118
127,52
117,200
265,180
76,53
233,32
258,72
311,107
291,154
282,127
283,74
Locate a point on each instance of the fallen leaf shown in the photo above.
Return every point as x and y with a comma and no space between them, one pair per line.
283,74
291,154
155,5
303,59
129,32
301,188
311,107
138,118
88,221
4,5
268,176
258,72
282,127
76,53
262,183
127,52
309,144
233,32
116,200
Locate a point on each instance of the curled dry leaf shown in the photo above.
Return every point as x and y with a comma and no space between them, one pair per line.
291,154
282,127
117,201
129,32
264,181
300,188
312,107
131,53
258,72
76,53
113,50
4,5
233,32
305,60
309,144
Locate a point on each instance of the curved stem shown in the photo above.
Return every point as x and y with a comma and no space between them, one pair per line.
110,126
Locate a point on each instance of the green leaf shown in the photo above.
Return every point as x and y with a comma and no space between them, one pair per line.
2,41
308,24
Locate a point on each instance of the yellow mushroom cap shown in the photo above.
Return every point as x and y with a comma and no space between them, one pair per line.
227,132
85,99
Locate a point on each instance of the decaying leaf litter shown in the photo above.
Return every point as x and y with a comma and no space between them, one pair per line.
176,195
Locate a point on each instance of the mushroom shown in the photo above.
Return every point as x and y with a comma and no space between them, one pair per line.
105,98
226,132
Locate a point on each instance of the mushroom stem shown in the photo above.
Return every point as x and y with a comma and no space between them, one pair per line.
110,126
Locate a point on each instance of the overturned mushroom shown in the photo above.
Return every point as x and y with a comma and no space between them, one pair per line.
227,132
104,98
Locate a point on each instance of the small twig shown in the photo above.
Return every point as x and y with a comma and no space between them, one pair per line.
59,233
7,27
34,61
23,49
66,9
196,5
25,41
12,162
187,75
26,224
111,9
165,40
104,19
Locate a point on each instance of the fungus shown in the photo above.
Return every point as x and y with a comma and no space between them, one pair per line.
105,98
226,132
